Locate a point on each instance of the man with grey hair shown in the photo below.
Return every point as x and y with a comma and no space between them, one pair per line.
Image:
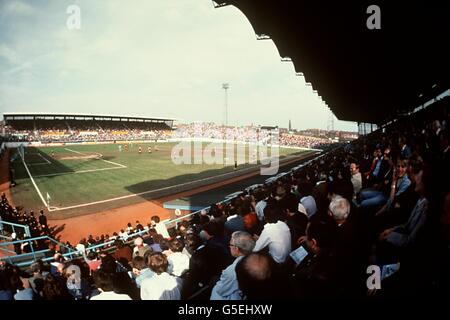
350,246
339,209
227,288
140,247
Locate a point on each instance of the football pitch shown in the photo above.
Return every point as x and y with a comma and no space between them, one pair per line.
73,177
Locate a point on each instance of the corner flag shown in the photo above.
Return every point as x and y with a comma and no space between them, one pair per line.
48,199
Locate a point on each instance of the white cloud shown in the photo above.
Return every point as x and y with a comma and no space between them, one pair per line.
9,55
19,68
18,8
155,58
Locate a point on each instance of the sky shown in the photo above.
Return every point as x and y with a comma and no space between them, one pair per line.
161,58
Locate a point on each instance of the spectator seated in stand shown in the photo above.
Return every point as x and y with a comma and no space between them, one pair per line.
258,278
178,261
162,286
105,284
227,288
141,269
276,236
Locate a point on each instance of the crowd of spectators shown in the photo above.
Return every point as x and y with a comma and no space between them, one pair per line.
37,226
118,132
210,130
250,134
382,200
47,131
91,135
296,140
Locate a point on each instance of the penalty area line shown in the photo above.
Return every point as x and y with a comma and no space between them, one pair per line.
75,172
232,173
74,151
45,159
101,158
33,182
38,163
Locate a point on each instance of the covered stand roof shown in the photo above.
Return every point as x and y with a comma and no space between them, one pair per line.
363,75
78,116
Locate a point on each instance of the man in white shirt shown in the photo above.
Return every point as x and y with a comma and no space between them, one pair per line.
81,248
160,227
104,282
178,261
275,235
356,178
123,235
162,286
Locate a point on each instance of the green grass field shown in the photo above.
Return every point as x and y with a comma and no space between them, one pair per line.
75,175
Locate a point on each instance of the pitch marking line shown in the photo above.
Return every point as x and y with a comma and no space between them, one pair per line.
39,163
33,182
117,166
74,151
75,172
112,162
150,191
45,159
100,155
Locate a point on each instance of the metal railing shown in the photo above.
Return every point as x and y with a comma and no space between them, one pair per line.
35,254
26,229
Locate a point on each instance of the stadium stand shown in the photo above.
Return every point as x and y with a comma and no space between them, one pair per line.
404,231
47,128
85,128
341,239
